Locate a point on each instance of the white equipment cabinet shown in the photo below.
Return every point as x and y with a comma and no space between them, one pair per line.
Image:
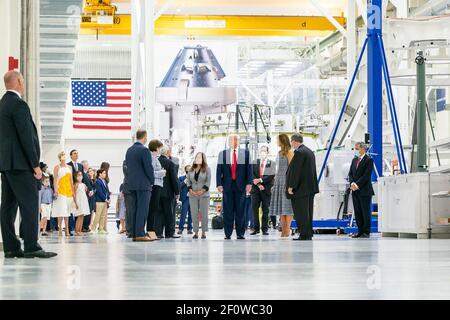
333,184
407,206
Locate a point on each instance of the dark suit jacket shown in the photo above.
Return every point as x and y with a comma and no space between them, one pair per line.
362,176
140,168
268,177
102,191
244,173
19,142
183,188
301,174
79,165
170,182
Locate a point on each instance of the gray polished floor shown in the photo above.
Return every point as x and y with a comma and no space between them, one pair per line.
329,267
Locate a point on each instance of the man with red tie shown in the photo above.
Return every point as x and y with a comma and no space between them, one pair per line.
263,178
360,179
234,180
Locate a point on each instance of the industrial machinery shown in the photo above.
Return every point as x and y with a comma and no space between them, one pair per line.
100,12
194,80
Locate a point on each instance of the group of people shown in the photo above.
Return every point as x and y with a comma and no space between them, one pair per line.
76,195
285,188
151,188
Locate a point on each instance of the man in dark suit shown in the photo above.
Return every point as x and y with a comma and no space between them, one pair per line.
19,166
360,178
140,181
130,202
176,162
263,178
301,185
234,180
76,166
90,193
164,220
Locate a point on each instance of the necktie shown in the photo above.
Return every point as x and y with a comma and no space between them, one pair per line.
357,163
75,165
261,169
234,166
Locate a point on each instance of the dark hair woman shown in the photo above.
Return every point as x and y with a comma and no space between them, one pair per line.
106,166
198,181
280,204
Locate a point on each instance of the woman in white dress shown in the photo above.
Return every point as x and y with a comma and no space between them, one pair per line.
64,192
81,202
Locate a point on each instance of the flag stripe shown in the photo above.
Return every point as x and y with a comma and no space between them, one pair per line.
118,105
118,90
118,83
102,120
94,127
102,112
118,98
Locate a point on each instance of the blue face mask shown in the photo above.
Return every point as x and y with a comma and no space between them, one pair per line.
356,153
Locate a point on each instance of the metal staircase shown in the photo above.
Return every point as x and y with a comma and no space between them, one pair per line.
59,29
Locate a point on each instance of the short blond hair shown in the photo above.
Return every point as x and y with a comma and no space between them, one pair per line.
62,153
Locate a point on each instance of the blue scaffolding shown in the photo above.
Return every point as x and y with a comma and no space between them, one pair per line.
376,67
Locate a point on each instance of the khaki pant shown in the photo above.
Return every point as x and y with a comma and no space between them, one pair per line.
101,216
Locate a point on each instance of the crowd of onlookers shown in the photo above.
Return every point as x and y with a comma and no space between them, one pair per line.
74,197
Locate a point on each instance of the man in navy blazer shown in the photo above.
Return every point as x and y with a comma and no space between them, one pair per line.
360,179
234,179
140,182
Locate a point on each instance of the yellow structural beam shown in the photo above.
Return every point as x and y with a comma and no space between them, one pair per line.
222,26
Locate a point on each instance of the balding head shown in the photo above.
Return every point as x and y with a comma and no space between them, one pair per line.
14,81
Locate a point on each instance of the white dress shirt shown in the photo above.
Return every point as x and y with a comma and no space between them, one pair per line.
14,91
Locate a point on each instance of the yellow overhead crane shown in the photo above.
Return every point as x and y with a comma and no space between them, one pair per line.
99,17
98,14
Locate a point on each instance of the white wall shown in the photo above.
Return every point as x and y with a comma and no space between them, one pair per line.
10,35
10,44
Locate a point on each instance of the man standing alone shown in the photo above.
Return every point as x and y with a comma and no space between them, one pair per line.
360,178
234,180
301,185
19,166
140,180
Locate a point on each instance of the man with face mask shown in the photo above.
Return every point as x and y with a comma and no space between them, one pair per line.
360,179
263,178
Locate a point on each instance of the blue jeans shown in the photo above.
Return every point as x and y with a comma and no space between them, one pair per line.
185,211
248,213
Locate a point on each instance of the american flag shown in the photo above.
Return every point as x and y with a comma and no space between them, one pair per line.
101,104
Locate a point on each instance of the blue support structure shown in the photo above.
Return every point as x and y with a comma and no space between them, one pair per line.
344,106
377,66
375,83
390,94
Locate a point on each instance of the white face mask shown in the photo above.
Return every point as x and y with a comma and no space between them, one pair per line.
356,153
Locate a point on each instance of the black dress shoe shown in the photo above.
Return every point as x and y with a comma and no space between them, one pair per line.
40,254
265,233
302,238
227,238
241,238
254,233
365,236
358,235
173,237
14,254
